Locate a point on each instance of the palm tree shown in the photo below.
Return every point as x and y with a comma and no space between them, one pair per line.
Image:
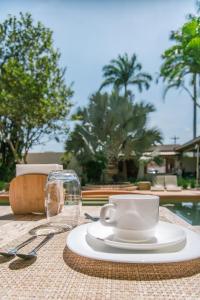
113,127
181,66
125,71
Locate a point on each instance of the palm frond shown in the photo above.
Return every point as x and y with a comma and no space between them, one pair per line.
125,71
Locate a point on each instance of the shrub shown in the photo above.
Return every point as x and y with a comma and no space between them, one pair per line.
2,185
180,181
185,184
118,178
94,170
192,184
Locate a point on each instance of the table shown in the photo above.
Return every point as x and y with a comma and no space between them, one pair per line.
60,274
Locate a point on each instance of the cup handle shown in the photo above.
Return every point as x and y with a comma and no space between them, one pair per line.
103,214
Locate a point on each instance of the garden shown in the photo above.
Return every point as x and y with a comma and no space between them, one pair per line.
106,139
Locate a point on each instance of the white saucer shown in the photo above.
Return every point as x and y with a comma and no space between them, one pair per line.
166,234
80,243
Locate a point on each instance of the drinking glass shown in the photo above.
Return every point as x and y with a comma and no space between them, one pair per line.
63,200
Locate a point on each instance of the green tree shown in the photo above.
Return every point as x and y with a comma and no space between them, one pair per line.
7,161
181,66
112,128
34,99
125,71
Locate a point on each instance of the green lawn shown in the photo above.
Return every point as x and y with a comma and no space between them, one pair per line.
91,202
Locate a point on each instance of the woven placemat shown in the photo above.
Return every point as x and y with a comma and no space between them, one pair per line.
60,274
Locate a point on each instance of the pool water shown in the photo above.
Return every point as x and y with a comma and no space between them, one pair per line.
189,211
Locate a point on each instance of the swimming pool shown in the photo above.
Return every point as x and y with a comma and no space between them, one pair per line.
189,211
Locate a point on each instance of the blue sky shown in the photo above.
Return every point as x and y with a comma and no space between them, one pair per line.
90,33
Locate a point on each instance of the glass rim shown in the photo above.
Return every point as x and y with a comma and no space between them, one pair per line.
63,171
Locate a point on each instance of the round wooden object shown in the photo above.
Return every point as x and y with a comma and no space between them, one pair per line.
27,193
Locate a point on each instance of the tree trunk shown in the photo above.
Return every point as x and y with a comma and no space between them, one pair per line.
25,157
140,174
15,154
195,106
125,90
111,170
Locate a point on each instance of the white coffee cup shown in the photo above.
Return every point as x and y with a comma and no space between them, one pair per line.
133,217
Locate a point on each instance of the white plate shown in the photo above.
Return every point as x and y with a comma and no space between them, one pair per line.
80,243
166,235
